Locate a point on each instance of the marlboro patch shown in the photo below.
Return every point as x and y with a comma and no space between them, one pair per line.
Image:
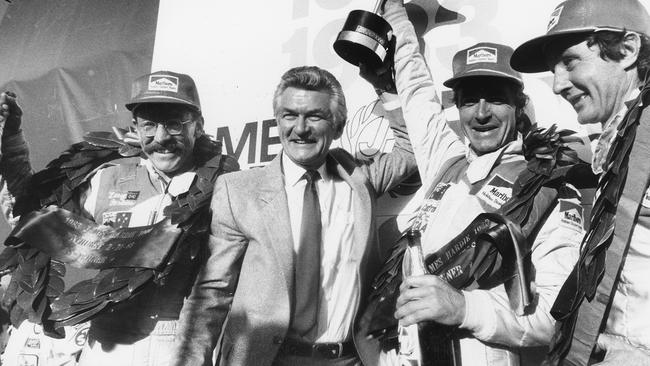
571,215
497,192
165,83
482,54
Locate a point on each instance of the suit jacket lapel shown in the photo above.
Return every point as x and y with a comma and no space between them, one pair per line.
275,216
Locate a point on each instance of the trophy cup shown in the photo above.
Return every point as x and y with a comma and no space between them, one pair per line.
365,38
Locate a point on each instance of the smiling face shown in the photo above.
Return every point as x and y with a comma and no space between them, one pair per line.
487,113
170,154
306,126
594,86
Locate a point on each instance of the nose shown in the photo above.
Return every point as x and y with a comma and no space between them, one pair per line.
484,110
301,128
561,81
161,133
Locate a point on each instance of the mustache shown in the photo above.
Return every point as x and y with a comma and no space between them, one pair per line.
155,146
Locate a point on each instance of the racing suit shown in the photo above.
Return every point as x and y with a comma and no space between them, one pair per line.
457,185
124,193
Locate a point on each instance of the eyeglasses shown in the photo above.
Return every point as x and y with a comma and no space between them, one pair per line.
173,127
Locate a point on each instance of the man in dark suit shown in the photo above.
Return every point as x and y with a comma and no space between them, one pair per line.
296,239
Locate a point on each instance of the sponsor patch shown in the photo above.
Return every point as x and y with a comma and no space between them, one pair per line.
646,199
116,220
571,215
27,360
555,17
166,83
119,198
497,192
34,343
482,54
429,206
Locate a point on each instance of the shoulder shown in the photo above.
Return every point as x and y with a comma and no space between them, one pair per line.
248,178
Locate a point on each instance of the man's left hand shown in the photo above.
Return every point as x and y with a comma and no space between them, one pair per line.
618,352
429,298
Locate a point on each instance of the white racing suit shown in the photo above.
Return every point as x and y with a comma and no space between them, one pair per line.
456,187
141,330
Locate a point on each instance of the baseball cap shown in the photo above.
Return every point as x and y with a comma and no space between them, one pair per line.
164,87
581,16
483,59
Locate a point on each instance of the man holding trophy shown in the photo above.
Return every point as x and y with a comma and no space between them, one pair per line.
481,307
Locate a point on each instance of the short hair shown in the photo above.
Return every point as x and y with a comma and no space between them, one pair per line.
520,101
316,79
610,44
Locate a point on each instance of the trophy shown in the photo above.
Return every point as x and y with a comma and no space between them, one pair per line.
365,37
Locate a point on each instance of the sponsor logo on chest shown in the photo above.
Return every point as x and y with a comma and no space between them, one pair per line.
496,192
429,206
571,215
119,198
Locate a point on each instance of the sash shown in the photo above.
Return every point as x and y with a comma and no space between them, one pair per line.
82,243
582,305
495,248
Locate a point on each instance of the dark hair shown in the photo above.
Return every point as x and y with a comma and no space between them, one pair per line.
317,79
520,101
610,44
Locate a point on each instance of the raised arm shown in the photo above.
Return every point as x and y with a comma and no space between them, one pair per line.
434,142
15,168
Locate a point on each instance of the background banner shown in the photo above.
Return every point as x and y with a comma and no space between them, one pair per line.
71,63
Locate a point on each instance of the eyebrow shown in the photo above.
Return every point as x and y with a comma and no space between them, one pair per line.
326,112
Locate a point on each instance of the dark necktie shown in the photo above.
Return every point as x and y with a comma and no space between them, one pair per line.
307,268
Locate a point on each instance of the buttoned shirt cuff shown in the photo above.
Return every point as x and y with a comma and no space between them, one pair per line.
389,101
479,317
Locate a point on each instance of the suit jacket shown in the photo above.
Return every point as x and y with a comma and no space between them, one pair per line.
251,250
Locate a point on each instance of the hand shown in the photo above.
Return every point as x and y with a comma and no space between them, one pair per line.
429,298
382,78
619,352
129,136
388,4
10,113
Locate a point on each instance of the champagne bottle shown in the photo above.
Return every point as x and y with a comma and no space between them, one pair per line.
425,343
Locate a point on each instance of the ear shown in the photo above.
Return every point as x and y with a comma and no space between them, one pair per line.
630,48
198,128
339,130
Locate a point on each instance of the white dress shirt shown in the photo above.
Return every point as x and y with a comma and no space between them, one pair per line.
340,284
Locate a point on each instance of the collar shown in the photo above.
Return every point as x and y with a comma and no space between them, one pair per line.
602,144
481,166
175,185
293,172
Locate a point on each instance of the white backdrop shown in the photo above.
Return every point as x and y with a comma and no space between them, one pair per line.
236,52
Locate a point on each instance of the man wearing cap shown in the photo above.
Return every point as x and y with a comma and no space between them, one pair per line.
464,175
176,159
598,52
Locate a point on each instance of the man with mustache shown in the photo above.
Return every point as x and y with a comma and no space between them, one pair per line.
177,160
465,172
599,52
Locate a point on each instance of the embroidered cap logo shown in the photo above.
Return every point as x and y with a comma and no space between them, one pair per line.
166,83
482,54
